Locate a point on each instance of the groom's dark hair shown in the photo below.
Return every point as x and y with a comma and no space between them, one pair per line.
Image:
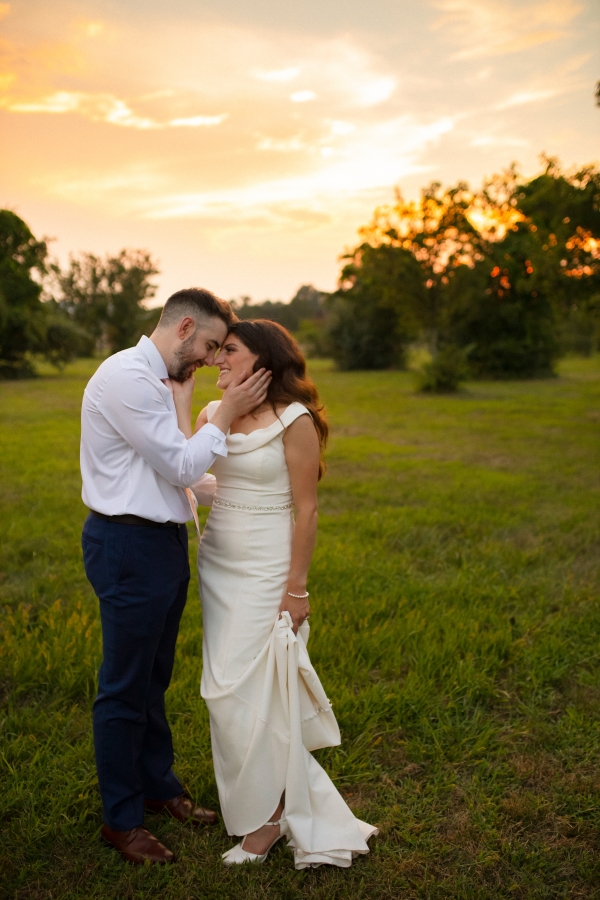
198,304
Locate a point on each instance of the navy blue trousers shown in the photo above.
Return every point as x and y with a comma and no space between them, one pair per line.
140,575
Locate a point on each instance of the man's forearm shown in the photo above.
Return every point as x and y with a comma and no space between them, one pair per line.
161,444
203,447
184,420
222,418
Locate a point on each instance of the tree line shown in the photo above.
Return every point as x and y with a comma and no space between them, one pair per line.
95,305
496,283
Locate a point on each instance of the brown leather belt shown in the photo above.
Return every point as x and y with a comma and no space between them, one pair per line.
130,519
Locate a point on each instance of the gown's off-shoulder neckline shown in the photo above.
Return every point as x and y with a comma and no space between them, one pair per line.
246,443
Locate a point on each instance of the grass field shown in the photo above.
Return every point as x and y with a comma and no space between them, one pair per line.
456,628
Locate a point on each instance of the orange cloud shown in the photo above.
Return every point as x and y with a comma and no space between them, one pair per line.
500,27
28,69
104,108
171,128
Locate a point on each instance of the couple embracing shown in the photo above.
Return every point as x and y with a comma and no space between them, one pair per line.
144,471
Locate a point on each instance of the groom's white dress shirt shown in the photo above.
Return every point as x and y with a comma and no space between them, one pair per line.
134,458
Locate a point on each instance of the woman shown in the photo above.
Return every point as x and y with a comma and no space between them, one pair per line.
267,706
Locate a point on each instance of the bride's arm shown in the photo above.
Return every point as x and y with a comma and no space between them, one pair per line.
202,419
301,446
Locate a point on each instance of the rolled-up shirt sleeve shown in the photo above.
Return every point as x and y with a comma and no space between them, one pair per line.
220,444
137,410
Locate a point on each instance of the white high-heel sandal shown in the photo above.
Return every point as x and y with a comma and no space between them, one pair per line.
238,855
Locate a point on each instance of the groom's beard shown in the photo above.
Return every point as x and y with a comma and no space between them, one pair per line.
183,365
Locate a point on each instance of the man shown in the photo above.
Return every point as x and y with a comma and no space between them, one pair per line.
136,466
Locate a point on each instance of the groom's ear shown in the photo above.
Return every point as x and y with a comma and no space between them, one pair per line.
186,327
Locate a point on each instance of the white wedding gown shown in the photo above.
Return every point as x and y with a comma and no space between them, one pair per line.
267,707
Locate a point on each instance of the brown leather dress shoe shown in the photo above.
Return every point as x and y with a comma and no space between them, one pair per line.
137,845
182,809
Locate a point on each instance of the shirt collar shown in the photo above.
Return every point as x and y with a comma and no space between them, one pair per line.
152,354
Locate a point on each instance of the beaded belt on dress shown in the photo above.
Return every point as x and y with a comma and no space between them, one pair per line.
228,505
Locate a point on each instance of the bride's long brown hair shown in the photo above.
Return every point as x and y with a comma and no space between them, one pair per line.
278,351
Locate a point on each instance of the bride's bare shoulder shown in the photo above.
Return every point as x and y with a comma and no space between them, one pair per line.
205,415
300,436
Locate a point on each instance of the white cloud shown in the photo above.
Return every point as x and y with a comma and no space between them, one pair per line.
286,145
281,75
60,102
376,91
198,121
302,96
97,107
377,158
521,97
342,128
104,108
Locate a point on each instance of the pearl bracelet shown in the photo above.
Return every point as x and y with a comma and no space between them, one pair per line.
298,596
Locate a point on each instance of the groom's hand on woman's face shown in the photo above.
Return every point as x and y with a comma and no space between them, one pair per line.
245,393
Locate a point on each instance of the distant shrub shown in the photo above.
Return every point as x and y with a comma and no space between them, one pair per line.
314,339
445,372
12,370
65,340
579,332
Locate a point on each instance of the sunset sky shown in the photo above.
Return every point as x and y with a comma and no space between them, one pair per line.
243,143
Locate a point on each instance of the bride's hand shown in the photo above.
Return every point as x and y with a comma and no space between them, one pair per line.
299,609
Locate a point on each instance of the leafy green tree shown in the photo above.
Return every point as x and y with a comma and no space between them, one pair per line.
501,310
307,304
397,284
104,296
64,339
82,293
564,212
22,315
28,325
540,238
374,314
439,234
